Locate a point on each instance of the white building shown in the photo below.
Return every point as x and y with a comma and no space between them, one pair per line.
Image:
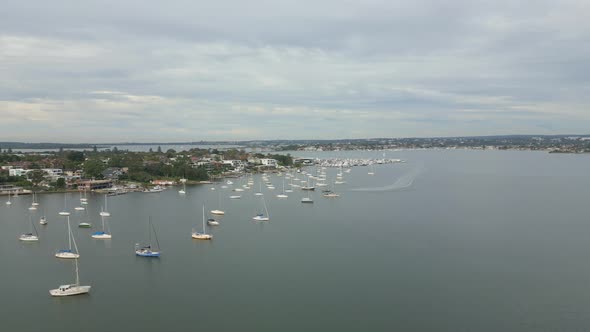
268,162
18,171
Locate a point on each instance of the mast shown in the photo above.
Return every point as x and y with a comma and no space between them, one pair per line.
102,218
105,203
155,235
203,218
265,209
69,234
77,275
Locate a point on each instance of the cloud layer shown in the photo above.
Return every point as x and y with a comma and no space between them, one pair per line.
107,71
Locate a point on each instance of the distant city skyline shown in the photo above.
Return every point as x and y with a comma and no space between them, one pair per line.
183,71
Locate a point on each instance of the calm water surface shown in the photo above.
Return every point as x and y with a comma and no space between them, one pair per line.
449,241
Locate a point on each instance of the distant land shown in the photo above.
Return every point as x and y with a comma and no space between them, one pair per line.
551,143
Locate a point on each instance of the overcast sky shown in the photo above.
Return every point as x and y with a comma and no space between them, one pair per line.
112,71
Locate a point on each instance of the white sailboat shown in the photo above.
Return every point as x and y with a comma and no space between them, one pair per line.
105,213
371,170
43,220
147,250
65,210
83,198
68,253
32,236
218,212
235,196
35,203
283,195
8,202
183,190
202,235
259,193
72,289
104,234
262,216
307,199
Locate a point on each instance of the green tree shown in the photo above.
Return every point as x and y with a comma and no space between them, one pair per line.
93,168
60,183
37,176
159,149
75,156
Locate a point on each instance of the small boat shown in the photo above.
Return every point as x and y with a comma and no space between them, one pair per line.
68,253
202,235
35,203
146,250
229,182
8,202
84,203
33,208
262,216
102,235
217,212
331,195
43,221
155,189
283,195
85,225
73,289
79,208
105,213
259,193
235,197
307,199
30,237
65,210
239,189
212,222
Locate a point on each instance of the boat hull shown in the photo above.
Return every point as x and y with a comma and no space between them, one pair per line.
147,253
66,255
200,236
73,290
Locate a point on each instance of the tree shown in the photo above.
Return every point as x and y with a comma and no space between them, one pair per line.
159,149
60,183
151,150
75,156
94,149
93,168
36,177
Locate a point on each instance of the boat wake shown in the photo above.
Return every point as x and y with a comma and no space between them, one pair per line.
403,182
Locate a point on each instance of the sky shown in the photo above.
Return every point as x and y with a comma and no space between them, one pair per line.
171,71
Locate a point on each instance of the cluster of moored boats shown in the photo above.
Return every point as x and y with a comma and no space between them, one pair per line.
302,180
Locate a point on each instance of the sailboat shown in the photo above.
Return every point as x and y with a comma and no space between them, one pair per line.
43,220
203,235
83,198
371,170
105,213
307,199
103,235
262,216
307,186
146,250
283,195
218,212
65,211
212,222
259,193
330,193
30,237
72,289
183,190
8,202
68,253
85,224
35,203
